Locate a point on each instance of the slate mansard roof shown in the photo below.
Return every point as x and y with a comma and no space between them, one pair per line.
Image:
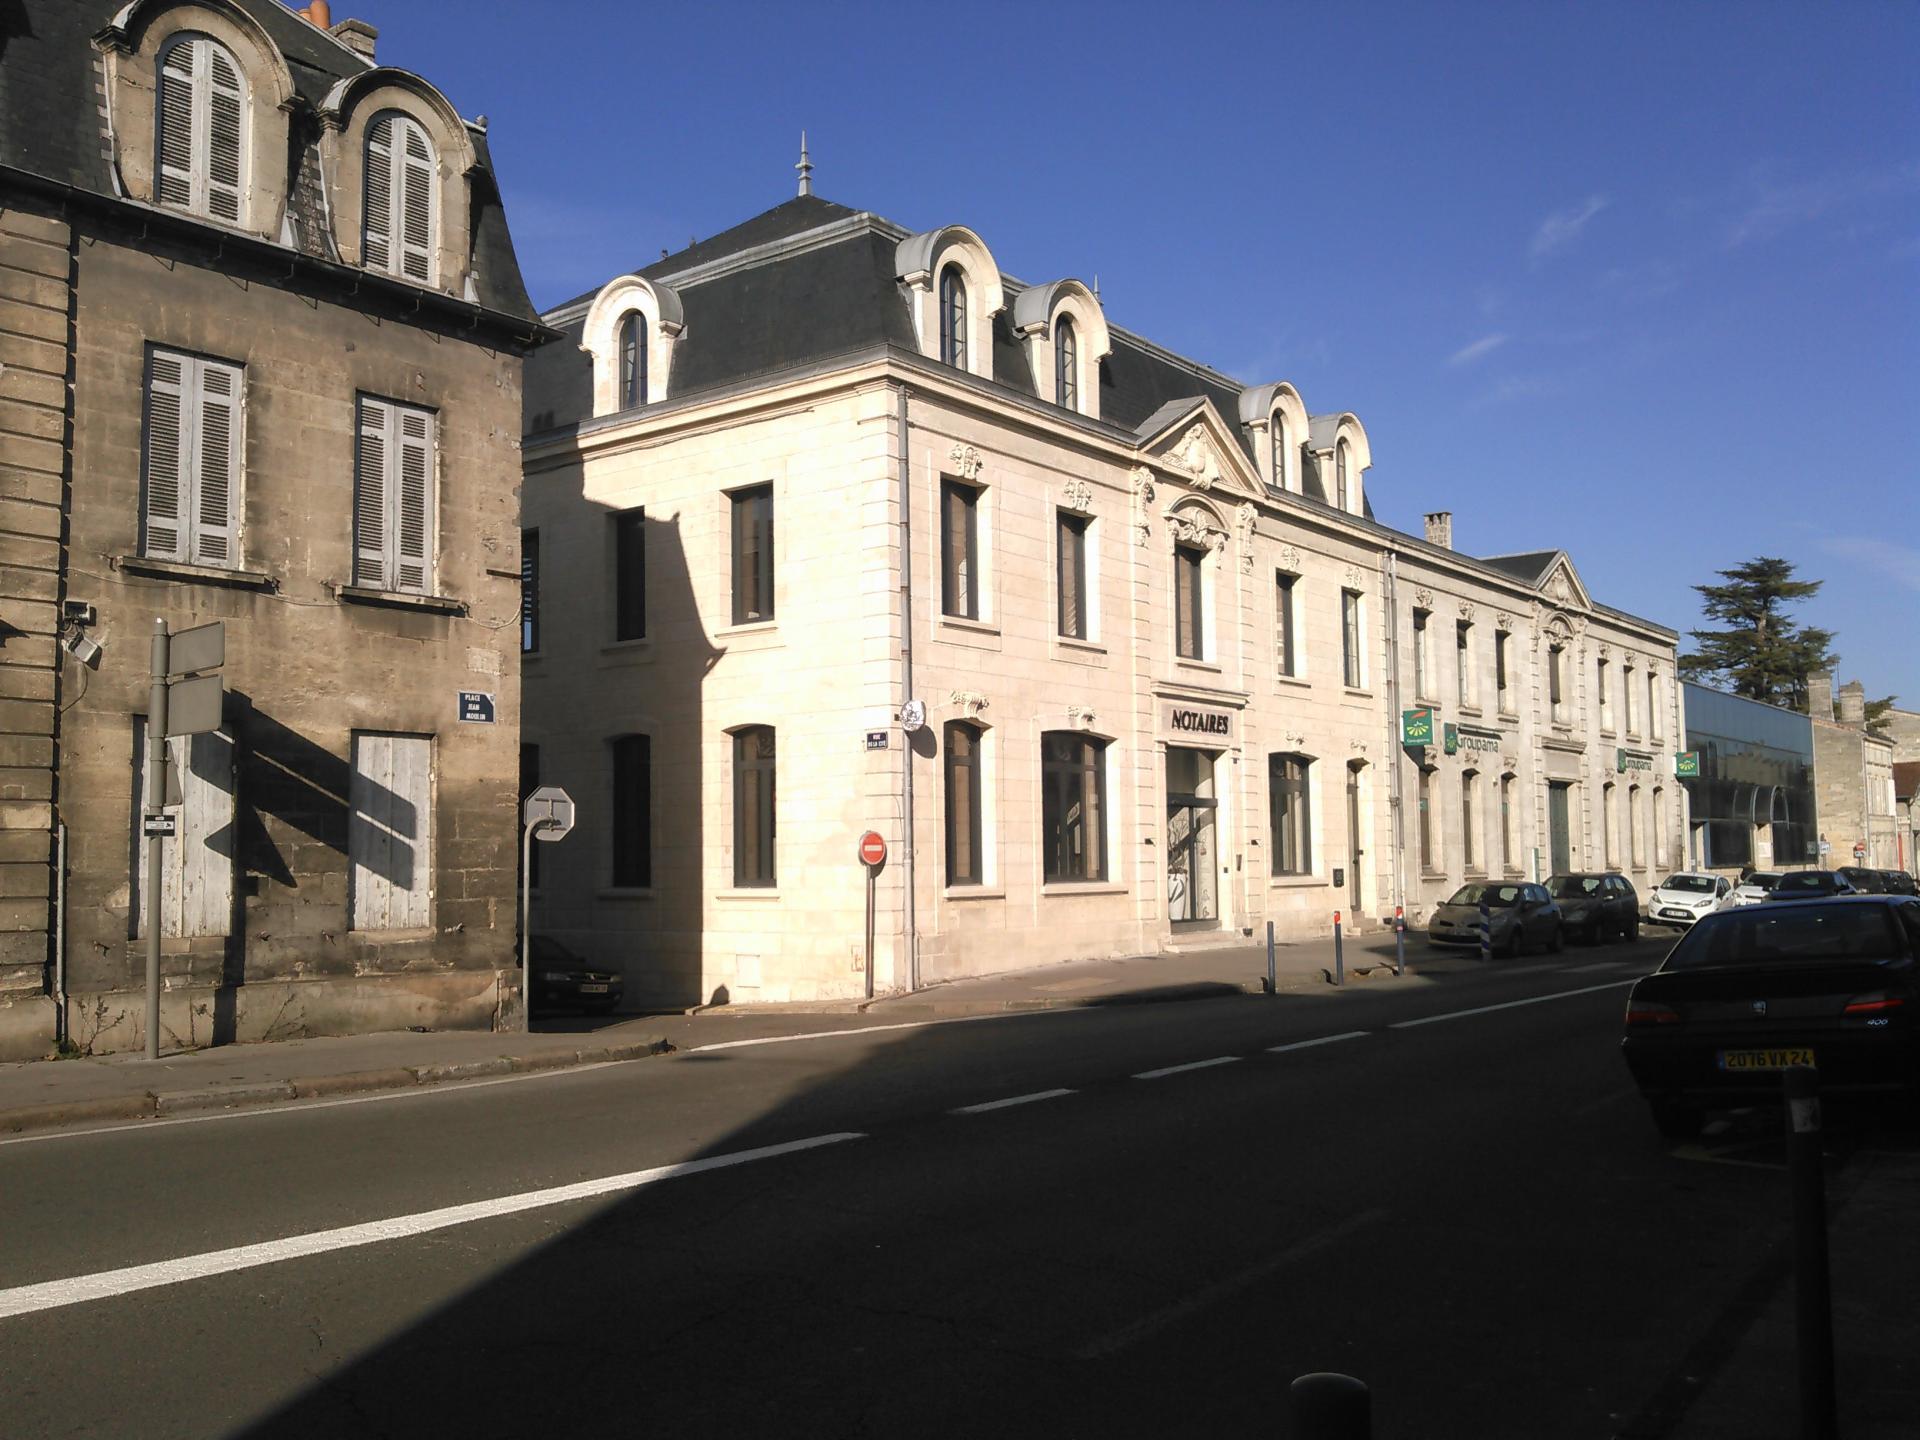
53,129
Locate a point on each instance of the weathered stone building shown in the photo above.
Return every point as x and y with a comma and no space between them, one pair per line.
1853,768
835,527
263,333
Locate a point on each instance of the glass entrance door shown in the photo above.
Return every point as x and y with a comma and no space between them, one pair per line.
1558,833
1192,871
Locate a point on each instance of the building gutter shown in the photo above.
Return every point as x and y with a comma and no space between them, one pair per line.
910,932
1396,802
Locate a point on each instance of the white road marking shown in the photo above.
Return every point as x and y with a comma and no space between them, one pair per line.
984,1107
107,1284
1300,1250
853,1030
1190,1065
1322,1040
1597,965
1508,1005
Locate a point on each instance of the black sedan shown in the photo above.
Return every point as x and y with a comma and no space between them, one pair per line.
1596,903
563,980
1518,915
1811,885
1749,992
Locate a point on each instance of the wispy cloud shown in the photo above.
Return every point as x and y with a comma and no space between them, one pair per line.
1899,563
1479,349
1767,206
1563,227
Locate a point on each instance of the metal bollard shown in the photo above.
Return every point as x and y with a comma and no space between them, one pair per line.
1399,940
1273,983
1339,954
1331,1407
1486,933
1812,1293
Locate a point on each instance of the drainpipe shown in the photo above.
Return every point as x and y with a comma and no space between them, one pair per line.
1396,802
60,935
910,931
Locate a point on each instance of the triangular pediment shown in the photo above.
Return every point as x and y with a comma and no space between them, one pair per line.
1190,444
1561,585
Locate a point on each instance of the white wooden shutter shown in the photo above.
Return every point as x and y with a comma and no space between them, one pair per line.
196,864
168,438
413,183
225,107
370,494
377,227
217,449
175,143
413,502
390,831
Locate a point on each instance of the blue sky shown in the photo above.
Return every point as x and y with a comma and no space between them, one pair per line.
1640,281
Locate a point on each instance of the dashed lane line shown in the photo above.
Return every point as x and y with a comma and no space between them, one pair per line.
1507,1005
1166,1070
1007,1104
1321,1040
107,1284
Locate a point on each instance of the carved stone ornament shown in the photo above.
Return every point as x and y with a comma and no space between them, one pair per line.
1422,597
1189,530
1079,496
1354,577
1558,587
1466,611
1294,737
968,702
1193,457
1243,522
1289,559
1502,619
1603,650
966,461
1356,745
1080,715
1142,497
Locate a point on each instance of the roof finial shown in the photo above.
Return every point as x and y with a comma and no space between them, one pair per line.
805,167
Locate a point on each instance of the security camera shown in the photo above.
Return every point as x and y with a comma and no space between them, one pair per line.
79,646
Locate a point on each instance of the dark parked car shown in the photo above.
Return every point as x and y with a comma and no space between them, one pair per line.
1748,992
1811,885
1864,881
1594,904
563,980
1899,882
1518,915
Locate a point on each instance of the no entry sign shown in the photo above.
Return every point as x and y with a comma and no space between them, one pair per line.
873,848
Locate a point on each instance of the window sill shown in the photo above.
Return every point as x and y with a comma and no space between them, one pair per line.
749,893
974,892
1295,882
625,892
1474,710
1358,692
205,574
1426,874
756,635
630,651
1607,731
1298,682
1078,649
1083,887
399,600
395,937
747,627
532,657
1189,662
1508,712
958,630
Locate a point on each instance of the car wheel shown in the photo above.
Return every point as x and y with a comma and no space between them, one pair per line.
1633,931
1559,940
1675,1119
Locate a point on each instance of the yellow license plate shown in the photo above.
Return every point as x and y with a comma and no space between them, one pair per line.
1765,1059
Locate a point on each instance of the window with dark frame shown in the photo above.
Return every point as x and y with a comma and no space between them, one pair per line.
632,812
1469,837
629,574
1066,363
964,862
953,317
959,549
1288,815
1350,638
1189,638
1426,821
1421,687
633,361
529,591
1279,451
753,807
1283,622
1070,565
752,554
1556,694
1508,850
1500,685
1463,662
1341,480
1073,806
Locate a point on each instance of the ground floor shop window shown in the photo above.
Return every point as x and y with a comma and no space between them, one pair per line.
1289,814
1073,806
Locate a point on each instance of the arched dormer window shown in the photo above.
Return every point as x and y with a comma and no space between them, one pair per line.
399,219
633,361
1066,364
200,129
1276,423
1342,485
953,317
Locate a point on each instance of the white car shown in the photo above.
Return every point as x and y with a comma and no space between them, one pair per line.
1753,889
1681,899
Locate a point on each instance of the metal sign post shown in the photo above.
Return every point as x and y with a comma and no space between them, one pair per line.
155,801
548,816
873,855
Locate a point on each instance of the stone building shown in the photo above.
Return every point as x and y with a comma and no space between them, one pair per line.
262,332
833,526
1853,768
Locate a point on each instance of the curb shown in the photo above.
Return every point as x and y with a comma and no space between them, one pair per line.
149,1105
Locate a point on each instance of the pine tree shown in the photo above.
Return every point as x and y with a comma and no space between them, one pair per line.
1762,654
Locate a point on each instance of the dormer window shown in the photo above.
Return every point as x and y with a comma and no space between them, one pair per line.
398,221
199,129
633,361
1279,432
1341,483
953,317
1066,364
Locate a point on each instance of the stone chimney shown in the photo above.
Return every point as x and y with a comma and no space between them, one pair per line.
1853,703
1440,529
1820,695
358,36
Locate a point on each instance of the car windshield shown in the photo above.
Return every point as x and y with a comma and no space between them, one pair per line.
1689,884
1496,896
1769,935
1572,887
1762,879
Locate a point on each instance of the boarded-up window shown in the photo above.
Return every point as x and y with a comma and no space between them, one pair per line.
393,497
196,863
200,129
390,831
399,221
190,463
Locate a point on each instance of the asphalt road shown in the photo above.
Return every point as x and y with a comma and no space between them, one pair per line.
1445,1187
